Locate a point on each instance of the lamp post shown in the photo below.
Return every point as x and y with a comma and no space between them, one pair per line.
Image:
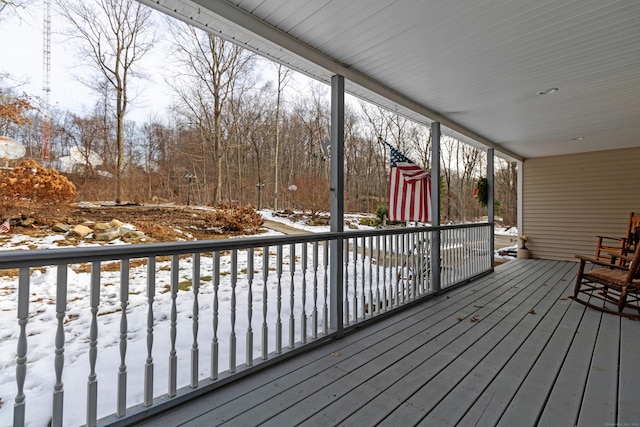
292,189
190,177
259,186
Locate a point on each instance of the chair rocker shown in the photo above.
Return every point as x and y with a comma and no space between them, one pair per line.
615,284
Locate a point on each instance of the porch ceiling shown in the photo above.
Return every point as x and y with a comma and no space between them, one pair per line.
474,66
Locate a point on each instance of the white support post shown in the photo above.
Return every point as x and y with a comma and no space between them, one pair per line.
435,205
490,202
337,202
520,201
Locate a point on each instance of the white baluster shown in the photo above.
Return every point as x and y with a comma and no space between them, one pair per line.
232,336
265,294
249,343
61,308
292,287
303,315
371,303
346,283
314,314
362,302
173,357
92,384
325,308
355,280
279,301
385,256
121,406
195,351
214,341
148,366
395,298
19,407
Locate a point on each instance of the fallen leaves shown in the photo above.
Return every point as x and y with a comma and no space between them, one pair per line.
472,319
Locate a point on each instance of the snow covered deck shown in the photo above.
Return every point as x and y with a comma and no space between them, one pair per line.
507,349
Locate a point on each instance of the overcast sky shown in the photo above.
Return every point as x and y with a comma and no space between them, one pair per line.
21,55
21,51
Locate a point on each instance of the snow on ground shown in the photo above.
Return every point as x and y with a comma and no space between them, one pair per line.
507,231
350,220
41,329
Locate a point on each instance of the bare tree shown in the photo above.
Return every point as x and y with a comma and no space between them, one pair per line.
213,66
86,134
284,76
471,159
506,184
11,7
114,35
315,115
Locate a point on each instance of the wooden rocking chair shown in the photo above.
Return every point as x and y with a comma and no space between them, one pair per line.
620,245
616,284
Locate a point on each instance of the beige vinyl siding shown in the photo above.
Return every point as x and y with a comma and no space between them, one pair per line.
568,200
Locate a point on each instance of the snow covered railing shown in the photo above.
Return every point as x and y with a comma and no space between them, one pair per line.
128,315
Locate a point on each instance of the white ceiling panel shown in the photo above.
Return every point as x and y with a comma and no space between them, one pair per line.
475,66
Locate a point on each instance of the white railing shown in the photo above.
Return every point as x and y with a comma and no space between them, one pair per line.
131,330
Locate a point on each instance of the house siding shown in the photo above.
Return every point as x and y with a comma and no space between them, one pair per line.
568,200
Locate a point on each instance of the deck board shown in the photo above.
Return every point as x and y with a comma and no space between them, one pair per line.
471,350
493,401
414,353
507,349
628,407
600,397
529,400
396,336
565,398
477,380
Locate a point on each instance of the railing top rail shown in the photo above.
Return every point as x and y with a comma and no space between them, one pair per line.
39,257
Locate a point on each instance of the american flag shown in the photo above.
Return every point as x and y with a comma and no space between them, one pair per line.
5,227
409,190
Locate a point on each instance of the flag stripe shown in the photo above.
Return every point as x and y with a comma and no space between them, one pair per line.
5,227
409,190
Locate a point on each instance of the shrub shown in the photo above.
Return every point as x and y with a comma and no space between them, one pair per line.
370,222
235,218
32,191
312,194
33,182
382,212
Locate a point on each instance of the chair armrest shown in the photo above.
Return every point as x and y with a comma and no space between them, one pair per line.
612,238
609,263
615,255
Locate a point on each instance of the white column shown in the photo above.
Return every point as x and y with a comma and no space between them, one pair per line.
435,205
490,201
337,201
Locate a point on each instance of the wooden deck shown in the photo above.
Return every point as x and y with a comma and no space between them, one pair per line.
509,349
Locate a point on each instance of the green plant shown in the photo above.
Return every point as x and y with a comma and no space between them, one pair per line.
369,222
382,212
483,191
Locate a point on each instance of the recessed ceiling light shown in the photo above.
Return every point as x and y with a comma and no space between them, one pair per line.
548,91
580,138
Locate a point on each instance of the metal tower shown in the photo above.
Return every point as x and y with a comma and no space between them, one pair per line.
46,78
